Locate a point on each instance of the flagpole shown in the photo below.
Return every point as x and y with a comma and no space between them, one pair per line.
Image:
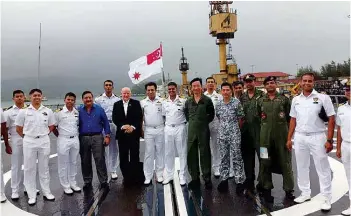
163,73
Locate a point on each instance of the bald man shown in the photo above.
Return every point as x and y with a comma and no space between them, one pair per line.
127,116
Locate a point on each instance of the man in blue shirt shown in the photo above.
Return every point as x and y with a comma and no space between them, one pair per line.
92,121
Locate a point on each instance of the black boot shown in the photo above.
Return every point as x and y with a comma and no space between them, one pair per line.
240,188
290,195
223,186
208,184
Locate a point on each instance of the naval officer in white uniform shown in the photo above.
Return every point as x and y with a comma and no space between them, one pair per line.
8,151
16,142
106,101
67,120
153,134
310,137
215,97
175,134
34,124
343,148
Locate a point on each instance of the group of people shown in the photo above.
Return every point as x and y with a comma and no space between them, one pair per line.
219,132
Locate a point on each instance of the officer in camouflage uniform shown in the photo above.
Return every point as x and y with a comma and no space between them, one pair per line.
230,113
199,112
251,130
274,110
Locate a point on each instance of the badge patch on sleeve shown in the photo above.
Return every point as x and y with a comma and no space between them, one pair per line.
263,153
281,114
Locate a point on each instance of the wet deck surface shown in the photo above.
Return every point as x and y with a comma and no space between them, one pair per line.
149,200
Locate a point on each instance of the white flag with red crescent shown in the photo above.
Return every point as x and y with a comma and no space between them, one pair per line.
146,66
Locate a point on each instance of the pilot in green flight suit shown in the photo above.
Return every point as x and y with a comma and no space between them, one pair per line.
274,109
250,131
199,112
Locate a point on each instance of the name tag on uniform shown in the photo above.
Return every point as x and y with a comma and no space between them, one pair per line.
263,153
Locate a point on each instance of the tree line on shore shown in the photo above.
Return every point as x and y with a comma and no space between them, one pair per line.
332,69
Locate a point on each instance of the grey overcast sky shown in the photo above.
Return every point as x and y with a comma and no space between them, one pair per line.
99,39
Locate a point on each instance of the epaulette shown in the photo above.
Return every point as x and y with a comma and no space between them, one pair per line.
58,110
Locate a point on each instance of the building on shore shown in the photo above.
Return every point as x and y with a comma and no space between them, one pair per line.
285,81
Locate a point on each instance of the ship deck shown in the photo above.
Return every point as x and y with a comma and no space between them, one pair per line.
171,199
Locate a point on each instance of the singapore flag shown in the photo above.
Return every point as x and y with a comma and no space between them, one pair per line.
146,66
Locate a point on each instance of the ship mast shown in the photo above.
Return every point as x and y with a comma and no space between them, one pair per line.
39,57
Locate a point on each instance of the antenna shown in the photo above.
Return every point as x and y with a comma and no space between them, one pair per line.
39,56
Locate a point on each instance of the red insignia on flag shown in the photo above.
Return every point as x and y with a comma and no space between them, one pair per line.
136,75
154,56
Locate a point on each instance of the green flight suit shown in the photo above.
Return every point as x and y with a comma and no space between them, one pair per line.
198,116
250,139
275,157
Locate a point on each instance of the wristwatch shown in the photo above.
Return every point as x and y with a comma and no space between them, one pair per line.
330,141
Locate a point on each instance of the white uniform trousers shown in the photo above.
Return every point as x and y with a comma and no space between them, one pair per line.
2,184
67,154
154,150
175,140
346,159
111,152
216,159
16,162
305,144
33,149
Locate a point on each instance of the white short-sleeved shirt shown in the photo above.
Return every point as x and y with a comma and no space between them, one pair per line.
3,119
10,116
306,109
107,103
35,122
343,118
152,112
67,122
216,98
174,111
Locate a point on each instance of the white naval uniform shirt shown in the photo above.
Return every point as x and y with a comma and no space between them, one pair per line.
343,119
107,103
67,122
152,112
215,97
174,111
35,122
306,109
11,115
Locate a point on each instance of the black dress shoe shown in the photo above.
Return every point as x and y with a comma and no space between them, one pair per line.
208,184
104,185
290,195
87,186
223,186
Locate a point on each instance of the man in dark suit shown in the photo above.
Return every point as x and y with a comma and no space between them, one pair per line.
127,116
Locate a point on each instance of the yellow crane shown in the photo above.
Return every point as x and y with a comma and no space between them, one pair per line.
223,25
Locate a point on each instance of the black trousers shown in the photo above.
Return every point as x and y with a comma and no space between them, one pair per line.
93,145
129,145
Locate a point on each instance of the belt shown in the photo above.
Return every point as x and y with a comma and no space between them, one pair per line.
67,136
175,125
90,134
154,127
34,137
310,133
110,121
